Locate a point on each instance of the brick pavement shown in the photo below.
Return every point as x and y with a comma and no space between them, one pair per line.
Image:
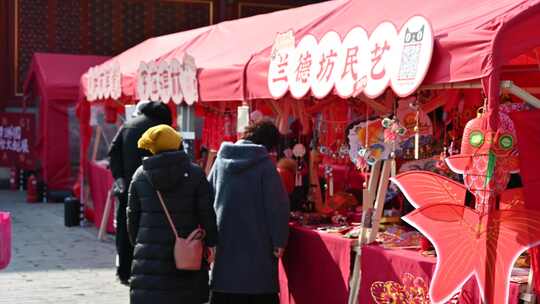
54,264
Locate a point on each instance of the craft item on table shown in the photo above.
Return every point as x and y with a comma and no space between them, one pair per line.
410,289
354,233
313,219
487,239
339,219
340,228
395,237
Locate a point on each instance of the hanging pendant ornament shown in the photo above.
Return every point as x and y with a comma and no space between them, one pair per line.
298,175
415,106
329,173
343,151
299,151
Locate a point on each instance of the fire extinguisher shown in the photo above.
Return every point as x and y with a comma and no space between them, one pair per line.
31,189
13,179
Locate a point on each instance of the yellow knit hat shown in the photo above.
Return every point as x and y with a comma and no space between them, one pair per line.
160,138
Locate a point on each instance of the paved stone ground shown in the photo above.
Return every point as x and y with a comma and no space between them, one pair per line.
55,264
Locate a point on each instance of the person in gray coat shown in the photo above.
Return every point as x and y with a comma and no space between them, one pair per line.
252,209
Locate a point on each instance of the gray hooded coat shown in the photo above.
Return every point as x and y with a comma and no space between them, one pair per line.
252,210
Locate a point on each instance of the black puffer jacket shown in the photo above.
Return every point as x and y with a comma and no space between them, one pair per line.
124,155
188,197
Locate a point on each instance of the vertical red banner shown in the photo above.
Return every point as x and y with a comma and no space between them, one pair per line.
17,140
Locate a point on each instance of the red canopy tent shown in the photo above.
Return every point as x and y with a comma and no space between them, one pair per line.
55,79
221,51
472,42
232,57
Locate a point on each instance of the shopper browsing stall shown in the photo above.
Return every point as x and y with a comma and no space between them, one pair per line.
252,213
125,158
168,192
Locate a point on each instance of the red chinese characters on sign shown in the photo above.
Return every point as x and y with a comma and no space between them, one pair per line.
304,67
327,65
326,69
177,94
283,62
350,61
168,80
353,63
16,140
377,55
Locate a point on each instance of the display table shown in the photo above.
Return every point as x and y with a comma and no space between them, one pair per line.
405,267
315,268
100,182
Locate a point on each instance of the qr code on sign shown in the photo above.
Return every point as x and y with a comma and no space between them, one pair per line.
410,57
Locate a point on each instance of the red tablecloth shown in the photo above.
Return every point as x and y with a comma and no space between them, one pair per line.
315,268
400,266
100,181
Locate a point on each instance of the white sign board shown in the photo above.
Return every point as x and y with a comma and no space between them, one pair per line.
165,81
104,82
355,64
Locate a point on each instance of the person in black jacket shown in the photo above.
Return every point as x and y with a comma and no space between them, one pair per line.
188,198
125,158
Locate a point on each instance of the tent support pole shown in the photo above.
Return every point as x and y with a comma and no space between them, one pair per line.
523,94
507,85
105,217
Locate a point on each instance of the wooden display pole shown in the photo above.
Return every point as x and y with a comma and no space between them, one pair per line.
105,217
379,202
97,141
375,179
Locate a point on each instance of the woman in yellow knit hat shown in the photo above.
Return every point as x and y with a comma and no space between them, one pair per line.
187,197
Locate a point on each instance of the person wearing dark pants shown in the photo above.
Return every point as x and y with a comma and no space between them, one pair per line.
123,246
252,209
125,158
